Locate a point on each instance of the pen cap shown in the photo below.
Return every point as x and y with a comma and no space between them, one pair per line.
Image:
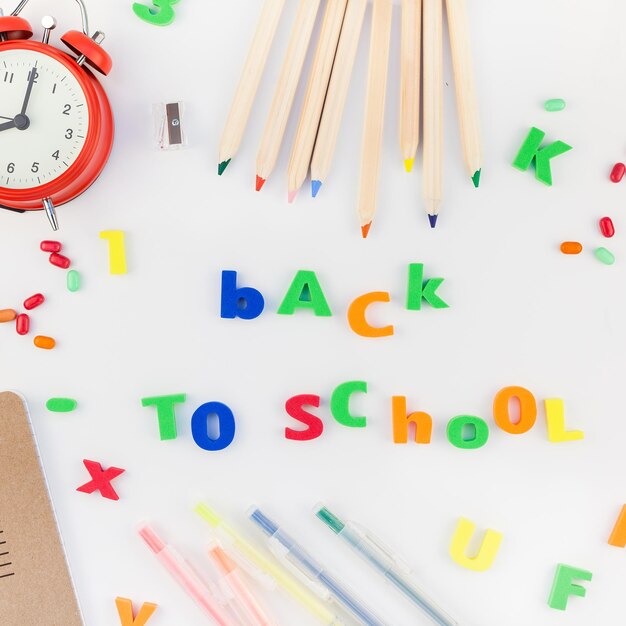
209,515
151,538
223,562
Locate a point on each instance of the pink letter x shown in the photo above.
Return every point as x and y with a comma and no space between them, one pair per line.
101,480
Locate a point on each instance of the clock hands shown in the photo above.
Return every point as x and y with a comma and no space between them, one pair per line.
31,81
21,120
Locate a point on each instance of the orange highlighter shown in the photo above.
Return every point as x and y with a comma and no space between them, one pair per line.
254,613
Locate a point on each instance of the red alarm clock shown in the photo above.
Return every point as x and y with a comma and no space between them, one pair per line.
56,125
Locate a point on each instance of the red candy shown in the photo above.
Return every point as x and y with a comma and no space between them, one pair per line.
22,324
59,260
606,227
33,301
618,171
50,246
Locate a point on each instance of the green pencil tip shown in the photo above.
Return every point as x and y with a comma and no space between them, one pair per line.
476,178
222,166
332,521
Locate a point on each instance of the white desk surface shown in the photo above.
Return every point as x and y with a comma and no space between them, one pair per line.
521,314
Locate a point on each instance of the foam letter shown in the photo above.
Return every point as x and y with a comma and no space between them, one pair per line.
356,315
117,250
165,413
423,422
488,548
555,420
527,410
340,404
418,289
161,15
315,426
563,587
244,302
618,536
305,293
125,611
200,426
530,151
478,427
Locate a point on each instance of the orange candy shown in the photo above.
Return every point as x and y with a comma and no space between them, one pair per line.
7,315
571,247
45,343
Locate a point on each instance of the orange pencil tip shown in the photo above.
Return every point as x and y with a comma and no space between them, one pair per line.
365,230
259,183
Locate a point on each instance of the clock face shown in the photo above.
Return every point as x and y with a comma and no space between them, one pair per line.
42,143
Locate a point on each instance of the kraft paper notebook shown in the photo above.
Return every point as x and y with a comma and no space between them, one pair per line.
36,588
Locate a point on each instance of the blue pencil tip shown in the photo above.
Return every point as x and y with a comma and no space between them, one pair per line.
315,187
433,220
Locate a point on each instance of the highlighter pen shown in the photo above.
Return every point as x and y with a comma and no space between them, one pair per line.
284,547
185,576
254,615
385,561
269,569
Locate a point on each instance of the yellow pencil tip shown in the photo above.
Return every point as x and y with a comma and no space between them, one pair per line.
408,164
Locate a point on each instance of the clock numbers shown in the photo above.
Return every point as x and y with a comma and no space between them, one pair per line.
40,149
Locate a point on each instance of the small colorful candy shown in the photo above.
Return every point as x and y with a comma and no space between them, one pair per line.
555,104
33,301
618,171
43,342
604,256
22,324
61,405
73,280
571,247
606,227
50,246
59,260
7,315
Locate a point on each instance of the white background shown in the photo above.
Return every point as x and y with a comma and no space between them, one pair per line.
521,314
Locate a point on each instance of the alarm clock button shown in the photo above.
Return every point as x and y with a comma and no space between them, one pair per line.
84,46
14,27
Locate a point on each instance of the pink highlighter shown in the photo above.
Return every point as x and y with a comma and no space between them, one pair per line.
183,573
254,613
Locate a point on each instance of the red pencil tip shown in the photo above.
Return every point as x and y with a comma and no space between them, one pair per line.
365,230
259,183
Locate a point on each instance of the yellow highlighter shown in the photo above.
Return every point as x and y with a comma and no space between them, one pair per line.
269,568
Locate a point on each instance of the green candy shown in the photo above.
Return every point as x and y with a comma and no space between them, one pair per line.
604,256
61,405
554,104
73,280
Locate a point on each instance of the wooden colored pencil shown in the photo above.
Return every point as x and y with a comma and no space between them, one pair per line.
410,50
374,112
285,92
433,106
249,82
337,93
465,91
317,87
